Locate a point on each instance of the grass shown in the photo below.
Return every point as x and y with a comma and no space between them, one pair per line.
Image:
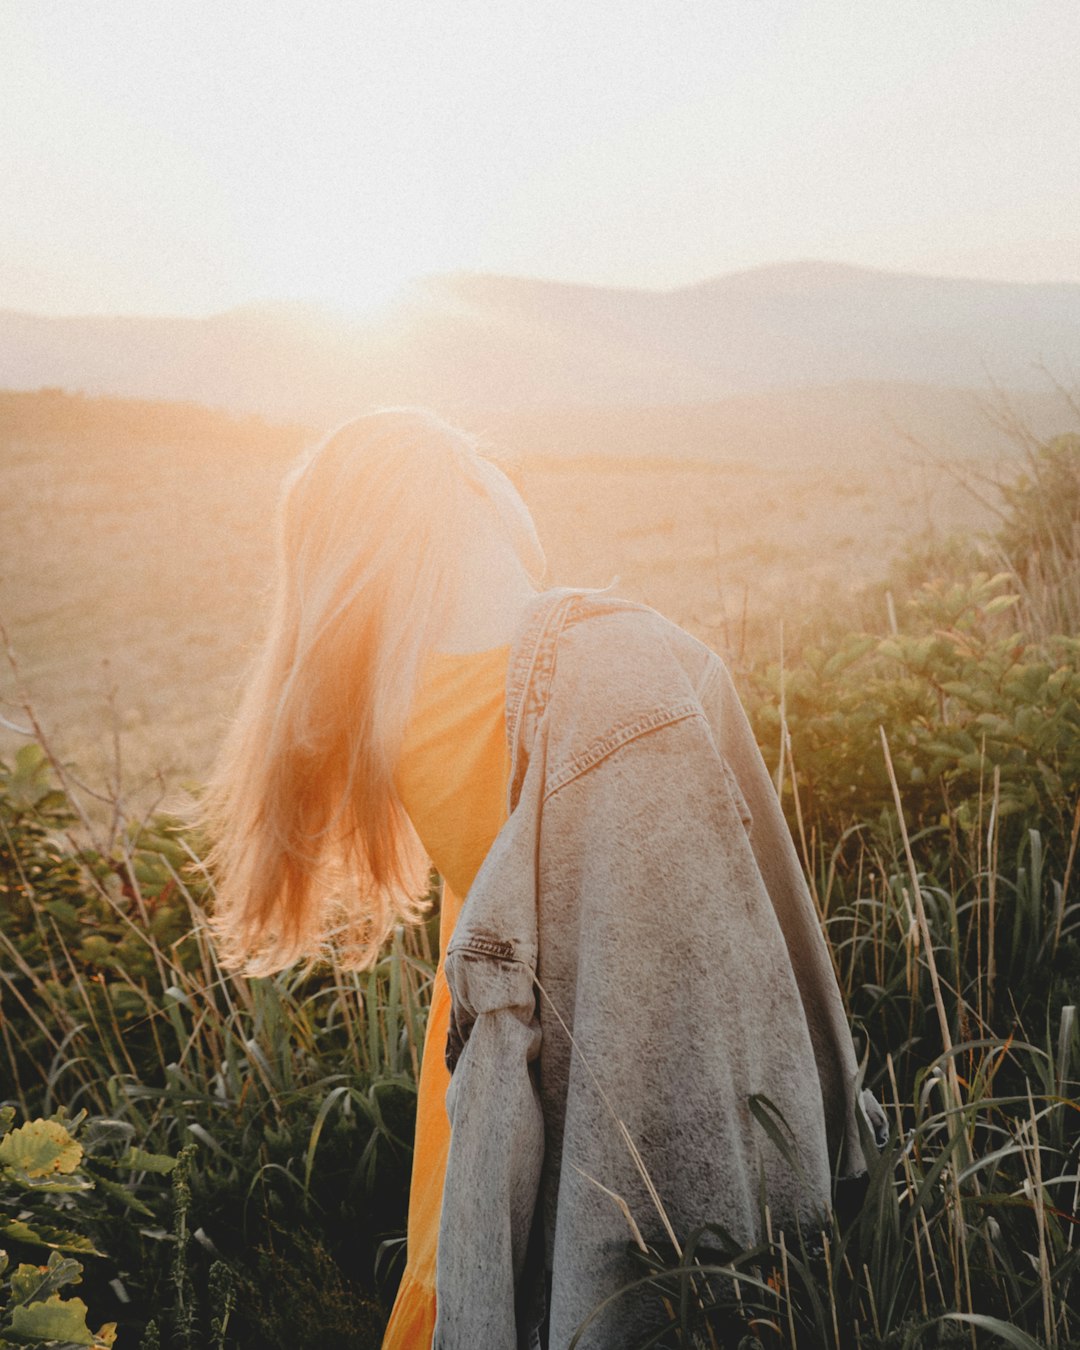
930,768
297,1090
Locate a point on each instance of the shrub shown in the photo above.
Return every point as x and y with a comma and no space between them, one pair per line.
299,1088
72,1186
972,706
1040,534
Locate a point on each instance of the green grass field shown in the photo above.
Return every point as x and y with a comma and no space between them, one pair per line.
224,1161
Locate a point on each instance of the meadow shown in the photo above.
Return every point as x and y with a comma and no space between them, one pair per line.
137,545
192,1159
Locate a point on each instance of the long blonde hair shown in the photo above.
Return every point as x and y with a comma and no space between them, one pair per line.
312,852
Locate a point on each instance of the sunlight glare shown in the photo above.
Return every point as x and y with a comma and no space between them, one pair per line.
365,296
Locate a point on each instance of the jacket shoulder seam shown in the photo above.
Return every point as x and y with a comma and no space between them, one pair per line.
606,745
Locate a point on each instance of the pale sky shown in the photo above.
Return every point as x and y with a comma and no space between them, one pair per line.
186,157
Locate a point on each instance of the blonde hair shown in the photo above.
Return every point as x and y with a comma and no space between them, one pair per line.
312,852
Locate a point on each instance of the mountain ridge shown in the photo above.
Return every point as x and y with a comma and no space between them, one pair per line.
464,340
794,268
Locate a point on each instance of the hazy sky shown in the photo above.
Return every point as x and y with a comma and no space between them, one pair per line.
186,157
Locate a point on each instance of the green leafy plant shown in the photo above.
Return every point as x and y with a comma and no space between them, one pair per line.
299,1088
1039,537
65,1185
64,1180
929,763
37,1314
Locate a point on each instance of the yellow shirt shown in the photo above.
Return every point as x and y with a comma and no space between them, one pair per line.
451,779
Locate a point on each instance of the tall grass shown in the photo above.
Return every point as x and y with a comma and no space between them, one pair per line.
968,1230
931,773
970,1211
298,1089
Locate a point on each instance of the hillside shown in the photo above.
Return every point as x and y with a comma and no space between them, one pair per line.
466,342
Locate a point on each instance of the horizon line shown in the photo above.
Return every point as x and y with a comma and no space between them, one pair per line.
353,314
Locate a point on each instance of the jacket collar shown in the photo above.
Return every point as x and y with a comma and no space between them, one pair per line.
532,665
528,676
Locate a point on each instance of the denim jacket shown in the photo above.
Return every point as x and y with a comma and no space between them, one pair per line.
637,957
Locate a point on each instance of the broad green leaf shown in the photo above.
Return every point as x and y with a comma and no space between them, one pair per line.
57,1319
44,1235
32,1283
54,1185
999,603
124,1195
40,1148
141,1161
30,780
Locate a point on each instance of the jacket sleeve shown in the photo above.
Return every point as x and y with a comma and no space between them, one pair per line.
782,873
496,1124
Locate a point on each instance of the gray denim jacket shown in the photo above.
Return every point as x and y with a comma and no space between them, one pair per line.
637,957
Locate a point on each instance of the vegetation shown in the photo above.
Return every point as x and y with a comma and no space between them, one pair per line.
46,1165
295,1093
223,1162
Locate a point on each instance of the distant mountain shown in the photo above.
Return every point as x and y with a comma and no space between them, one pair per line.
514,346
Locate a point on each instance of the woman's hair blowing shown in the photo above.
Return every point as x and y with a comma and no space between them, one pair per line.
312,853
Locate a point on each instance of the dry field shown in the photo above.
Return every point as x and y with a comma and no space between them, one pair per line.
134,558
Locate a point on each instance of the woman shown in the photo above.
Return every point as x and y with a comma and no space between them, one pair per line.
638,965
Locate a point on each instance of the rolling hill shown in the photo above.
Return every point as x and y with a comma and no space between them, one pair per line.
469,343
